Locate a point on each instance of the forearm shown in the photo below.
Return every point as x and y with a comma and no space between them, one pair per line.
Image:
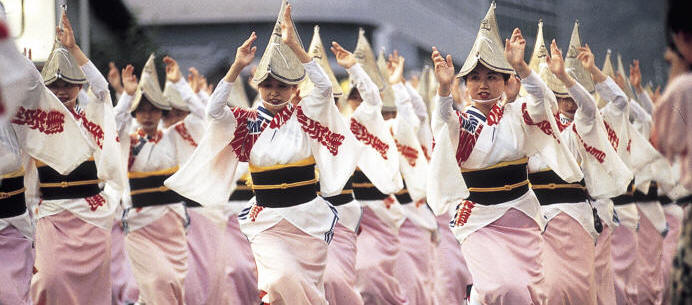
366,87
323,87
122,111
193,102
417,102
645,101
584,100
611,92
97,82
216,108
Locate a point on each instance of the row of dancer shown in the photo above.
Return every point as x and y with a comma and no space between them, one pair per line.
546,185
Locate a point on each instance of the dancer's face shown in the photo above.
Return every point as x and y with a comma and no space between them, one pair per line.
275,93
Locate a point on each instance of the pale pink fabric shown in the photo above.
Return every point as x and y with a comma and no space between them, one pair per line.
670,247
452,275
414,266
158,253
649,257
671,125
241,272
17,257
505,259
290,265
125,289
623,250
569,262
340,275
605,279
73,262
205,279
375,262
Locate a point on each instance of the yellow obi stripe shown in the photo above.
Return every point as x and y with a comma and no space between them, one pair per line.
507,187
524,160
305,162
168,171
14,174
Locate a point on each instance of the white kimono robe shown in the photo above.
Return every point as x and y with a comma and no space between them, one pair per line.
378,156
633,148
605,174
312,128
378,159
152,154
413,163
470,140
86,131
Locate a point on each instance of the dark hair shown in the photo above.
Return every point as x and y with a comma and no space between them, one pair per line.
678,19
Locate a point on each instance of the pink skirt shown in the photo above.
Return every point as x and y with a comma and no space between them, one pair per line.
452,275
505,259
158,253
17,257
205,278
605,279
649,257
376,261
73,262
569,262
290,265
414,266
623,248
241,271
340,275
670,246
125,289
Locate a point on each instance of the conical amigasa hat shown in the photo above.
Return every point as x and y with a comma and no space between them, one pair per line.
539,63
62,65
366,58
317,51
621,71
488,48
574,66
278,59
388,93
174,98
150,88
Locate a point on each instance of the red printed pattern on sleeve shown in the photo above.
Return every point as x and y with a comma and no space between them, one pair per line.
612,136
94,129
362,134
50,122
599,155
542,125
320,133
410,153
182,131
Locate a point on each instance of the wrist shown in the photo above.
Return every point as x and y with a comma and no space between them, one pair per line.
522,69
444,90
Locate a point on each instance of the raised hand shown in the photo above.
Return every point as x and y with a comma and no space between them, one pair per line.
344,58
620,80
557,65
173,73
129,80
193,79
514,52
395,65
288,36
246,52
114,78
586,58
65,36
444,71
657,95
636,76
